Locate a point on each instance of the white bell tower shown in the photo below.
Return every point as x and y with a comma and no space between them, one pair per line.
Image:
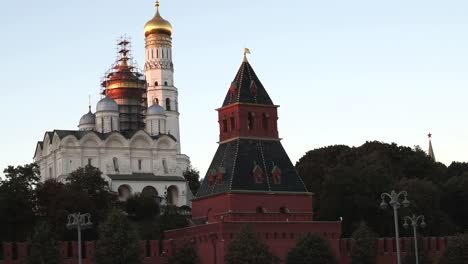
159,71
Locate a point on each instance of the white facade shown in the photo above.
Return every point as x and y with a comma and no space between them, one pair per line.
159,73
139,161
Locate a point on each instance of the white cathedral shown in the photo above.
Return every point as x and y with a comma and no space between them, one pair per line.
133,137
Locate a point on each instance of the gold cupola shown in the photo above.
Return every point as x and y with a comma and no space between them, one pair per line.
158,25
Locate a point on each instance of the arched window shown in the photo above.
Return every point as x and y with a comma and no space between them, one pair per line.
165,83
156,101
157,53
265,118
156,84
251,121
168,104
260,210
233,122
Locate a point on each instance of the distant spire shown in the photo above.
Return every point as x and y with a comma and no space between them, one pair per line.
246,51
430,152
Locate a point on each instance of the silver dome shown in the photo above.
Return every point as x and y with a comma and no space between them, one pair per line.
88,119
156,110
107,104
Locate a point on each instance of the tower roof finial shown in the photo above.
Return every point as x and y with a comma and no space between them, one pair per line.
89,102
246,51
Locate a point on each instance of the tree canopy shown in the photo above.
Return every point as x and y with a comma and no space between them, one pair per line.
347,182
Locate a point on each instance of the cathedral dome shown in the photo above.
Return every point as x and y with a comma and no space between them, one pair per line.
88,119
107,104
155,110
158,25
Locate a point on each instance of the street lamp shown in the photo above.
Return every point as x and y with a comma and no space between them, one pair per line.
414,222
80,222
395,203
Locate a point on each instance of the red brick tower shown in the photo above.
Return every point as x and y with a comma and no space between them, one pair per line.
251,180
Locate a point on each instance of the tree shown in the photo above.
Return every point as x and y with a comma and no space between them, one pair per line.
347,182
17,202
311,248
246,247
118,241
43,246
94,195
143,210
364,247
185,255
192,175
456,251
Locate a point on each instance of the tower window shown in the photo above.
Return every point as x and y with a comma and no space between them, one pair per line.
165,83
233,122
251,121
115,162
168,104
156,84
265,120
139,164
156,101
157,54
225,129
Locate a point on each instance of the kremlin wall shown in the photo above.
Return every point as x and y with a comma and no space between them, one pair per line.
250,181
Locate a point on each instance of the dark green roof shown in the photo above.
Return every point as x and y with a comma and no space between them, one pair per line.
144,177
238,160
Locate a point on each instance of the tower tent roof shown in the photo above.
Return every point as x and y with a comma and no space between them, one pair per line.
248,165
247,88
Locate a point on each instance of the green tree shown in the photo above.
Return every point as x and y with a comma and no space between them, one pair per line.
143,210
118,241
364,247
246,247
43,246
17,202
192,175
456,197
456,251
311,248
92,194
185,255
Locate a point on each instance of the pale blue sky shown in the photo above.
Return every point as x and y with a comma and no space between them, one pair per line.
343,71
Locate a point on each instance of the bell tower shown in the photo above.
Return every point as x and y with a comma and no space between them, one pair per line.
159,71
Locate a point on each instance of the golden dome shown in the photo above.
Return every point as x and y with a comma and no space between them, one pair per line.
158,25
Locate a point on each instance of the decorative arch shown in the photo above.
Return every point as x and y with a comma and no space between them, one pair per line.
150,191
166,142
116,140
90,140
141,140
70,141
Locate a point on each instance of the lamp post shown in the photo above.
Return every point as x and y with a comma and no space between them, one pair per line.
395,203
80,222
414,222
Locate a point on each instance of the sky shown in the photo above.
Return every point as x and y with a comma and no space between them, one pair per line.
344,72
